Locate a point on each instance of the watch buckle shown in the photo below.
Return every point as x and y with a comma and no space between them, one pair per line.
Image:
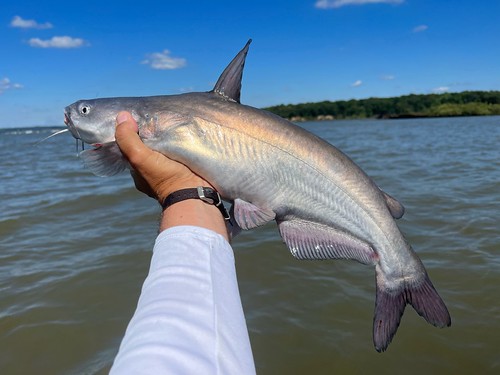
201,194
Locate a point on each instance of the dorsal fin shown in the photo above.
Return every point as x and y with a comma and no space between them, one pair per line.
229,83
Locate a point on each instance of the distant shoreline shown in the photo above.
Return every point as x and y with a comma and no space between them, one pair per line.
402,117
467,103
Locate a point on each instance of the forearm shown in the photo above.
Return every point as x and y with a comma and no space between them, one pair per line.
189,317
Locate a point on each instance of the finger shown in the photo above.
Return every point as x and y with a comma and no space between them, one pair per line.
128,139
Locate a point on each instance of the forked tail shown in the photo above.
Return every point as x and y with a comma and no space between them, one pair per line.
390,305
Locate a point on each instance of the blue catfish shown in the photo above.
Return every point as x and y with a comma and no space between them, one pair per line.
325,206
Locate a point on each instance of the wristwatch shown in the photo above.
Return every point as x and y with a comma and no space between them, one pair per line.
206,194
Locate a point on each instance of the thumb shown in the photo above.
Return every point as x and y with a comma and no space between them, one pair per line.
127,138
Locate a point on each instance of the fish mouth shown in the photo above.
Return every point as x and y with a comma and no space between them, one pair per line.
74,132
72,128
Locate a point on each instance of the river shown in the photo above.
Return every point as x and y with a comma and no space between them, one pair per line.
75,249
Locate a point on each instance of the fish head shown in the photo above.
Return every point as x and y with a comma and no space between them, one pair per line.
92,121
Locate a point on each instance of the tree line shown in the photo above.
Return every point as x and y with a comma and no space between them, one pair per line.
467,103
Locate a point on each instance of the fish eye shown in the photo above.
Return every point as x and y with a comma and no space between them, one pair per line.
85,109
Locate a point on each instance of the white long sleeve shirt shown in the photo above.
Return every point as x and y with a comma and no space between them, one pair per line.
189,318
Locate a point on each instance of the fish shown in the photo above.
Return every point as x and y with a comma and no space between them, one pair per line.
267,168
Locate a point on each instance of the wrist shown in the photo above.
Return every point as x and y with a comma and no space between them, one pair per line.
206,194
168,187
194,212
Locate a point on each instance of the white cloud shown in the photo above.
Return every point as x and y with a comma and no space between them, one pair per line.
29,24
58,42
441,90
420,28
388,77
357,83
163,60
6,84
326,4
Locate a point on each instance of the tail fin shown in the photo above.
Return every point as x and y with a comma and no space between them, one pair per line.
390,305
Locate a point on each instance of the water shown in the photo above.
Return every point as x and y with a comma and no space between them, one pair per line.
75,249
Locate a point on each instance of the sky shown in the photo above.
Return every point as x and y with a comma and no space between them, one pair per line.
56,52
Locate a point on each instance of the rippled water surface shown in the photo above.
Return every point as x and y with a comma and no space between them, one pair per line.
75,249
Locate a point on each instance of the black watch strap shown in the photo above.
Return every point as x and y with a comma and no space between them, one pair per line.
206,194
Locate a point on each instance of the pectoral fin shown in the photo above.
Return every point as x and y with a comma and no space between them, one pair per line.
105,160
249,216
307,240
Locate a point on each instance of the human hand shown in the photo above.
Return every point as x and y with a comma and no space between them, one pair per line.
154,174
157,176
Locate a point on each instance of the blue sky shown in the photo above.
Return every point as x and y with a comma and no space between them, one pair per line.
56,52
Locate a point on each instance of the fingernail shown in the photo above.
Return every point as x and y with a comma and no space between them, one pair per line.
122,117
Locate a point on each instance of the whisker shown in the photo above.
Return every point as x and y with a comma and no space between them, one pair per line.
52,135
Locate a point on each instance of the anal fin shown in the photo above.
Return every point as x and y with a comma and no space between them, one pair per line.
308,240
